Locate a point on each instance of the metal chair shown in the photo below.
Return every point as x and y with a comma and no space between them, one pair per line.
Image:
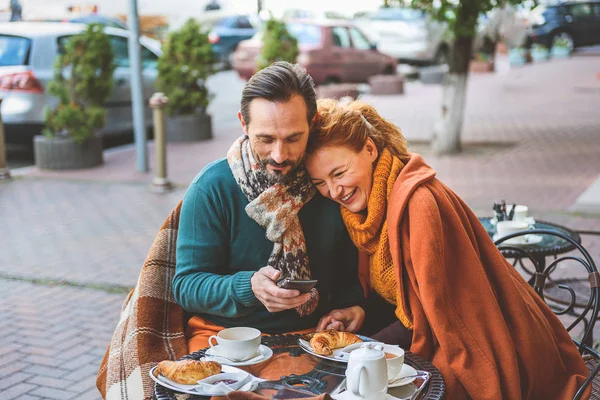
584,312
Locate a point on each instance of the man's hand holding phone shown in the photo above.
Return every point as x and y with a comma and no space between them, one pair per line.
273,297
303,286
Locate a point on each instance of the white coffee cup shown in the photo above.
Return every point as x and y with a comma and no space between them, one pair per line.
240,343
520,213
394,357
505,228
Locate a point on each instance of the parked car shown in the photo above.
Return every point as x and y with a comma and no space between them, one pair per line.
27,54
227,33
407,34
331,51
295,14
575,23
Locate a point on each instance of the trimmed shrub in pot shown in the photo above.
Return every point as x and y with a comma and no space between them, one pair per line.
278,44
517,56
82,82
561,48
187,61
539,52
482,62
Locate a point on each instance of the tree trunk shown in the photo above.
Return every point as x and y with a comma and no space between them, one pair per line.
447,131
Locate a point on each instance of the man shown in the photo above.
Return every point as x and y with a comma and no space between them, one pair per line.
16,11
253,219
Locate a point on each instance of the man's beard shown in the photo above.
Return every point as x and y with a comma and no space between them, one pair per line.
276,176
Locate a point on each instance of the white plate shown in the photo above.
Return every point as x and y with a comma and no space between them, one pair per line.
195,389
265,353
340,355
521,240
406,370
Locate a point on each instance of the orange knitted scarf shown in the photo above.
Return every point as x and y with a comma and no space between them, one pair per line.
368,231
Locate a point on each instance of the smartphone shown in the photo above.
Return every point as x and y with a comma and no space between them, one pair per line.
300,285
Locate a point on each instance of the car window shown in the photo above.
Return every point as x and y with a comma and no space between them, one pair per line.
121,51
398,14
334,15
305,33
581,10
359,40
243,23
340,37
228,22
149,59
14,50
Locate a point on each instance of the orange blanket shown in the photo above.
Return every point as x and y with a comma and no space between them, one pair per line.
475,317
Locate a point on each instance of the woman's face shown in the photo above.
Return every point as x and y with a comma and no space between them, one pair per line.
344,175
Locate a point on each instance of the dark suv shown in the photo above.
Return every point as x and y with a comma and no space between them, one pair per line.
575,23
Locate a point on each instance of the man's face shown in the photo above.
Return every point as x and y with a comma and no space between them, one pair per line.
278,134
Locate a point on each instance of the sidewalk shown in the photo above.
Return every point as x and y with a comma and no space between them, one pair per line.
75,241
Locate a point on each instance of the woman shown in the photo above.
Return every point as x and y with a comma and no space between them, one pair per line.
468,310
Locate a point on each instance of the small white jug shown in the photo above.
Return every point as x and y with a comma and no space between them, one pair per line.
366,375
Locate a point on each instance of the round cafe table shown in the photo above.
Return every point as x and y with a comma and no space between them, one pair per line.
292,373
548,246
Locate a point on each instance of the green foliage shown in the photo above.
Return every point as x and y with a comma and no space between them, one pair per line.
561,42
461,16
278,44
82,82
185,64
539,47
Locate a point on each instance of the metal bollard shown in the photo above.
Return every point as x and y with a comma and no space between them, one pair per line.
4,171
160,183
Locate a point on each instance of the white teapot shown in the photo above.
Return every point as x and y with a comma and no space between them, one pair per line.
366,375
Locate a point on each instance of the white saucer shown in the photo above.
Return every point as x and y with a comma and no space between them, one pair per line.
406,370
195,389
521,240
265,353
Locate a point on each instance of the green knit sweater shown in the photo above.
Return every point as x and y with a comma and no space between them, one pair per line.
219,248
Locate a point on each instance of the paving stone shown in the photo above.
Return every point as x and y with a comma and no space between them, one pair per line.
13,367
13,379
91,394
52,393
46,371
17,390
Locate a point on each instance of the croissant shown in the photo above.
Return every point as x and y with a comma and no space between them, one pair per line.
188,372
325,342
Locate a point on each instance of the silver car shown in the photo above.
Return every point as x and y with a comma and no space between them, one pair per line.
407,34
27,54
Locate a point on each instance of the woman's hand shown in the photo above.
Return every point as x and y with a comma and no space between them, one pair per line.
345,320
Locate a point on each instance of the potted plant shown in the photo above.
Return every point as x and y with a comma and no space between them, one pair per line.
517,56
187,61
278,44
482,62
82,82
561,48
539,52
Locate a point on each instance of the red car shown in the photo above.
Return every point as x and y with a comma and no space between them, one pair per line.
331,51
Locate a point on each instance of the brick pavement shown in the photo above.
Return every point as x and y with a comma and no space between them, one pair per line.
531,137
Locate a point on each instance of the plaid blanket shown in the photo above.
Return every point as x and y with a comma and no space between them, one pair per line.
151,327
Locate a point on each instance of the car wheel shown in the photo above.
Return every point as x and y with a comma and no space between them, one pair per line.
331,79
389,70
566,37
442,56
